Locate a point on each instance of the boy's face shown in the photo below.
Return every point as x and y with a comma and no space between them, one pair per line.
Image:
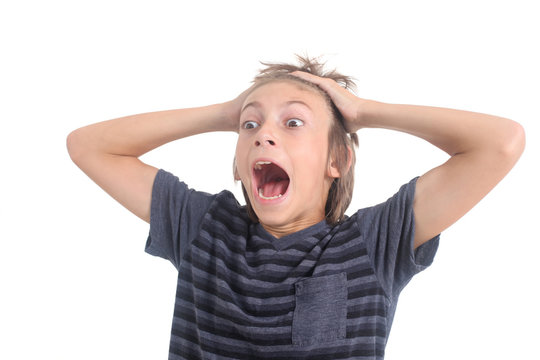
282,155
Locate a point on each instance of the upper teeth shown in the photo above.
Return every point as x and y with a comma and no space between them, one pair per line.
259,163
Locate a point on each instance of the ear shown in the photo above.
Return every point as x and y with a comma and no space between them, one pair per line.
333,170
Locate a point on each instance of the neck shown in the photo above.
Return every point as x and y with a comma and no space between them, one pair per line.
279,231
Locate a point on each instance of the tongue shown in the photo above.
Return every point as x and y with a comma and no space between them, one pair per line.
274,188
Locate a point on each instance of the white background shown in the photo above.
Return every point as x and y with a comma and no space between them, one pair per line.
75,281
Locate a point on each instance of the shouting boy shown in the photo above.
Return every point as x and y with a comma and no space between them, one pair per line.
288,275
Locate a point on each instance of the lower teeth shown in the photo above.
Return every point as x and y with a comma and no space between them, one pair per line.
268,198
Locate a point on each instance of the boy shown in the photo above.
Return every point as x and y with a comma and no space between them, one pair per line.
288,276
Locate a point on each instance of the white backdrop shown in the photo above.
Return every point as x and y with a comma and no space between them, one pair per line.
75,281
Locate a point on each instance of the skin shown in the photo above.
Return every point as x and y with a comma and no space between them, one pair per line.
482,149
300,148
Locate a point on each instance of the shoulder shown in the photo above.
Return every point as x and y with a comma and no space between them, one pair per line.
169,192
166,182
396,205
225,216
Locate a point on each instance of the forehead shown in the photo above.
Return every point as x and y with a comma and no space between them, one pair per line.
286,91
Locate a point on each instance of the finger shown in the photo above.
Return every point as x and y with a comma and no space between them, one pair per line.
328,85
307,76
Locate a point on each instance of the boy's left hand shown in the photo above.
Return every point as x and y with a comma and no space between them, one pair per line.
348,104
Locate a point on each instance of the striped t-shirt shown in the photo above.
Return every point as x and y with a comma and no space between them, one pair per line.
325,292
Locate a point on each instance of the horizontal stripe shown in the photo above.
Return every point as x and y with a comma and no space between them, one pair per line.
270,272
228,331
226,350
222,249
365,310
246,316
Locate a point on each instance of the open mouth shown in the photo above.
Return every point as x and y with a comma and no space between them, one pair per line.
271,180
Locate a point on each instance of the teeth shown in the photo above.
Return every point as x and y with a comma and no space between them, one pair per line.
259,163
268,198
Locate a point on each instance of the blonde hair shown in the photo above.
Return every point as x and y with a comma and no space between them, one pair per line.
340,143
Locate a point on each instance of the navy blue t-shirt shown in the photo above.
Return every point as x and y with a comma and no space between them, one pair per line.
325,292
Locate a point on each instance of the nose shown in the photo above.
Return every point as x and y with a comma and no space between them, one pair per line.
265,137
265,142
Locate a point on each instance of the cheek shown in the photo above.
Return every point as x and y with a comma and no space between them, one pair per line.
312,162
239,158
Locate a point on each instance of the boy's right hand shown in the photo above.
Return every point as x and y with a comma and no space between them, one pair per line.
233,109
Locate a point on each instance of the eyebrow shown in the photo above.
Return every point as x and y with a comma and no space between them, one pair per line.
257,104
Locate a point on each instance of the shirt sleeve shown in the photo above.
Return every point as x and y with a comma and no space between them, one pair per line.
176,214
388,231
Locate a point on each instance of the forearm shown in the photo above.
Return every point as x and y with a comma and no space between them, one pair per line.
453,131
137,134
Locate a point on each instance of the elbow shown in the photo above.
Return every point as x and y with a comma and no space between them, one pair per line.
509,147
74,145
514,141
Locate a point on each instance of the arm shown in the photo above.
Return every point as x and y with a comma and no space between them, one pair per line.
482,148
108,151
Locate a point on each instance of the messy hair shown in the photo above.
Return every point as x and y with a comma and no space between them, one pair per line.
340,143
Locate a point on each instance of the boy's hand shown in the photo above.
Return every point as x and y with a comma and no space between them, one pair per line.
348,104
233,108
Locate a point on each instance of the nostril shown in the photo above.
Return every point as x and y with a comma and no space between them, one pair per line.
257,143
271,142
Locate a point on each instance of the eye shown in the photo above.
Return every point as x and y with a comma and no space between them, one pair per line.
250,125
294,123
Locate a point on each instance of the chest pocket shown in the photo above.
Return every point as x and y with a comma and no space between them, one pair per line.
320,313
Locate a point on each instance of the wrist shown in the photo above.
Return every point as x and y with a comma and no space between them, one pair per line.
229,116
367,110
222,118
